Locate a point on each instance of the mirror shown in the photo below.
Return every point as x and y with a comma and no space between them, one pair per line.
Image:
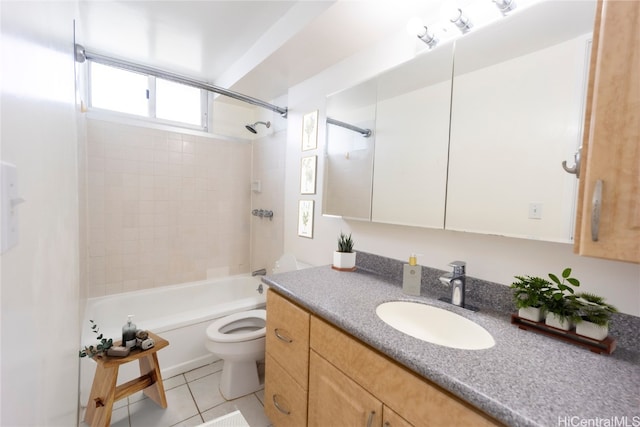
479,151
516,114
348,154
412,139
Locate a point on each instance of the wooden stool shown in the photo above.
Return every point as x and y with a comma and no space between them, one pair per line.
104,391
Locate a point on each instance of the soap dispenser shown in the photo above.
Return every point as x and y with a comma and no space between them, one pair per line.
129,334
412,277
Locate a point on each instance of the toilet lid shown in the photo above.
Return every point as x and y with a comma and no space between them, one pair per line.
238,327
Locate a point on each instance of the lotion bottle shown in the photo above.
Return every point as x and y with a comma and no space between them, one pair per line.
129,333
412,277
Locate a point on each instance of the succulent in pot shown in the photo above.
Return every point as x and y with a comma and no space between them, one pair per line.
561,305
595,315
529,295
344,258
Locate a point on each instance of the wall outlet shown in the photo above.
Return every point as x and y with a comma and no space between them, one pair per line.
535,210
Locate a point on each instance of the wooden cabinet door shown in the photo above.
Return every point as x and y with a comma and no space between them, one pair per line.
336,400
611,147
391,419
287,337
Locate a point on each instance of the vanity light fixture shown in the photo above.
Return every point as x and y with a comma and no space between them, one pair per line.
455,15
505,6
415,26
461,21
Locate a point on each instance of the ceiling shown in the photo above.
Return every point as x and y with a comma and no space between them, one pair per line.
258,48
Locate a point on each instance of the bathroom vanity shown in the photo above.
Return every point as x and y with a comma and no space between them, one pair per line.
345,380
330,360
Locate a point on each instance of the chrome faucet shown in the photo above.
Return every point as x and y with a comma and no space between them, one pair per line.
457,280
261,272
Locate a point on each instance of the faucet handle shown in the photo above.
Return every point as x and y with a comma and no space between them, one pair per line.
459,267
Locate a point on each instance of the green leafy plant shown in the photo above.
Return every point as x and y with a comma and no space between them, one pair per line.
101,348
592,308
562,299
345,243
529,291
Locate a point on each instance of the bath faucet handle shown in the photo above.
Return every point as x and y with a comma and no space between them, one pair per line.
459,267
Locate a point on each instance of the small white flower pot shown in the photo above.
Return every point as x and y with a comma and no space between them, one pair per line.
534,314
555,321
591,330
344,260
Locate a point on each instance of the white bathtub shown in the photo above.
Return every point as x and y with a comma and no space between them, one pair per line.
178,313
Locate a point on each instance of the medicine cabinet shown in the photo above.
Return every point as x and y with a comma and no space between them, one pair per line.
483,143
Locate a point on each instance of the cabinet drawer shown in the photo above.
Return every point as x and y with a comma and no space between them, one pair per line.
285,402
419,401
288,336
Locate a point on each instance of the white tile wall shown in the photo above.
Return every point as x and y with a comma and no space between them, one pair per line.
163,207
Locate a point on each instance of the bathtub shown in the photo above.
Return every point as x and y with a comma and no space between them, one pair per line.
178,313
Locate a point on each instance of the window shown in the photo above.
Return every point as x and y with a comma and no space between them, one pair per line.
142,95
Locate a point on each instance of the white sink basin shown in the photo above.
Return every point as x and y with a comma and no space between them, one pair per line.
435,325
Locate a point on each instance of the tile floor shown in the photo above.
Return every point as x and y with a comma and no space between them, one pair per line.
193,399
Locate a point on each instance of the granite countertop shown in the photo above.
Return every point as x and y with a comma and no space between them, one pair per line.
526,379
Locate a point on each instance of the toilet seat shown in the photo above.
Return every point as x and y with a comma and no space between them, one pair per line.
222,329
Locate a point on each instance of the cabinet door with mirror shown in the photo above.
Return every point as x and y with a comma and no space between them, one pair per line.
517,113
412,140
349,154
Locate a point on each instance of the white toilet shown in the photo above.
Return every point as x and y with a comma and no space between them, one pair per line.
239,340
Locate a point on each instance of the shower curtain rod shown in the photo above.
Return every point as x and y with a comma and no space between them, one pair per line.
364,132
82,55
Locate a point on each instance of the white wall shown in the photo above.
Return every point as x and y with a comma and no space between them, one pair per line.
40,285
491,258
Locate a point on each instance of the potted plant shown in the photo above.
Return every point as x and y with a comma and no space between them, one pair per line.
595,315
344,258
561,305
101,348
529,295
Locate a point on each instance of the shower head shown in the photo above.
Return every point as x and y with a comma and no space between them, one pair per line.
252,128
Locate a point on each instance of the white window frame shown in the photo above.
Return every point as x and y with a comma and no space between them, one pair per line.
205,104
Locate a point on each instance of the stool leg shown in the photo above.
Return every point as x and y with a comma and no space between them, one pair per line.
100,404
149,365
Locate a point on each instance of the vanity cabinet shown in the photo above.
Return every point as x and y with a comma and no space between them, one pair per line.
611,147
286,362
331,378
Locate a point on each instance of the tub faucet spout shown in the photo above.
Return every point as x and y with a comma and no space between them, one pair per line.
261,272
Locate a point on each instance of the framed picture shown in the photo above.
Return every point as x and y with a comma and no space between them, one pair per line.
305,218
310,131
308,174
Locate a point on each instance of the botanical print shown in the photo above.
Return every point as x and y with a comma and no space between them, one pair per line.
310,131
308,175
305,219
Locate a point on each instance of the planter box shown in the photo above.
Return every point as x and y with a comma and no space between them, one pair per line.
591,330
535,314
344,260
556,322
